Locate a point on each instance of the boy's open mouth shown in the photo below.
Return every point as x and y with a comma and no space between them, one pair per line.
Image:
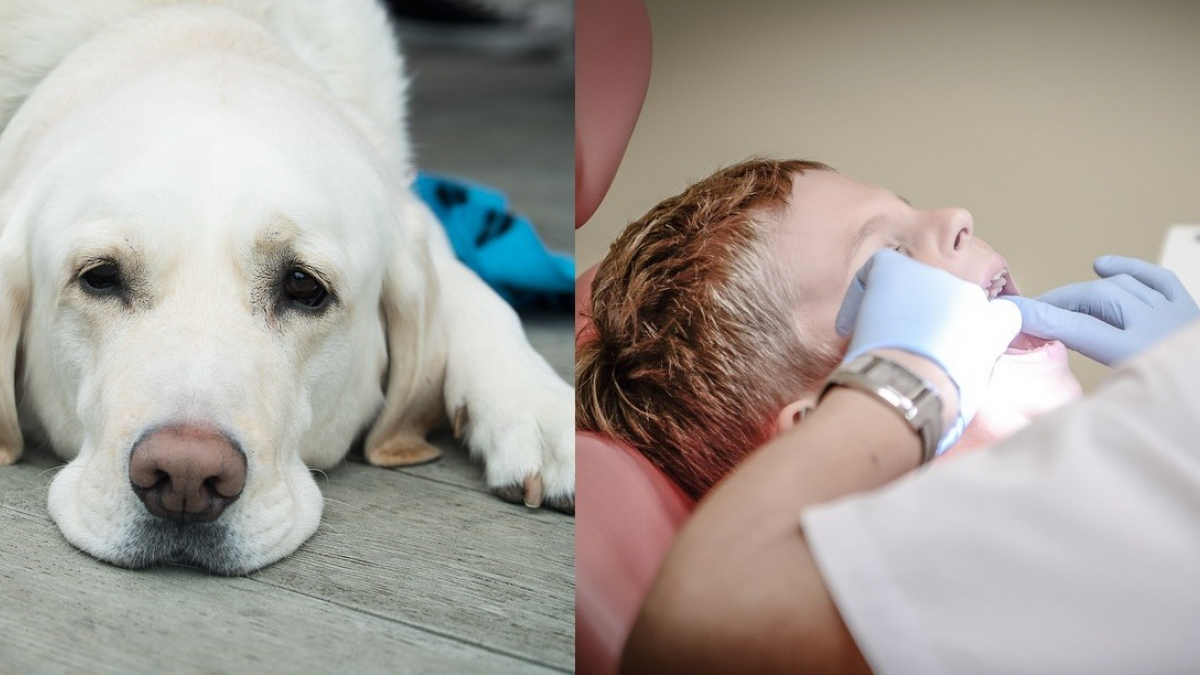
1002,285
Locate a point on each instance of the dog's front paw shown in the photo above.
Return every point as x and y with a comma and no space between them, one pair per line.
525,435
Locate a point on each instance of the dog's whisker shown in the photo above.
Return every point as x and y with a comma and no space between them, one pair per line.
327,528
41,489
359,509
53,469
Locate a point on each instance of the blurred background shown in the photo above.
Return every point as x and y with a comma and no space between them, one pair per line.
1070,129
491,101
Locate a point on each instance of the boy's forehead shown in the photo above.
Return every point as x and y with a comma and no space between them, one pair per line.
827,193
826,211
830,205
822,209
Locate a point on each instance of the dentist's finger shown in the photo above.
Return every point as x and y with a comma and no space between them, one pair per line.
1159,278
1137,289
1100,298
848,312
1083,333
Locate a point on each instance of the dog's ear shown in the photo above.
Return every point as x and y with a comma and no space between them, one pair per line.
14,296
416,344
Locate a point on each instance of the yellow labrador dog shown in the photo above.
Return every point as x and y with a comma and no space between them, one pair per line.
214,276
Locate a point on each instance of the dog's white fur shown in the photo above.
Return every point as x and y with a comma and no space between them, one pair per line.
205,147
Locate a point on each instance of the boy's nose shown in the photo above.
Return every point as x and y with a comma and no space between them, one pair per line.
945,236
953,229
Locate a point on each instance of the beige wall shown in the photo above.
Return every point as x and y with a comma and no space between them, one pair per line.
1069,129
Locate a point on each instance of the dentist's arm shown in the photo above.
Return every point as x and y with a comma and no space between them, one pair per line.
1133,305
739,591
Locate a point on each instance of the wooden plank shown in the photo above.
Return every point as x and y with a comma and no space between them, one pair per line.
63,612
453,561
424,554
23,485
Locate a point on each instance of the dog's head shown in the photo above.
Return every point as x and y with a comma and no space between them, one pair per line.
202,279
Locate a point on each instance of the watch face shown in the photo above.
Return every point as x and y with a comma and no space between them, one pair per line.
915,400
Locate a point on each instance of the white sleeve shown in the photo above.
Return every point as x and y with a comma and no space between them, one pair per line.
1073,546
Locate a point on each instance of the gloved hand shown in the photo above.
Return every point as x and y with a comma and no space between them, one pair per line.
1132,306
896,302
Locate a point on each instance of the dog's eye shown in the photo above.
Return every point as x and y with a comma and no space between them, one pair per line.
102,277
302,288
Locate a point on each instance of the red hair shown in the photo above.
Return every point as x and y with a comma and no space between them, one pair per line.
695,349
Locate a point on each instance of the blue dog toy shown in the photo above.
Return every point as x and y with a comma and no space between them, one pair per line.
500,246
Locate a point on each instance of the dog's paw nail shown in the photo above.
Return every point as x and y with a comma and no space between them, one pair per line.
533,491
460,421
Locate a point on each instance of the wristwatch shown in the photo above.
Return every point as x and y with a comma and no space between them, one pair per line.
908,394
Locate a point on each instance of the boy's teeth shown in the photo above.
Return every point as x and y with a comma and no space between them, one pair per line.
997,284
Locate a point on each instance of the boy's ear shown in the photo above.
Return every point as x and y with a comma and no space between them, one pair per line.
416,346
794,413
14,298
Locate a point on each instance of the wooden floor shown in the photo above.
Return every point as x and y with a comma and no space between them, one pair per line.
417,570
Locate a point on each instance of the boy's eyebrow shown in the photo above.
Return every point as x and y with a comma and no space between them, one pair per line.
903,199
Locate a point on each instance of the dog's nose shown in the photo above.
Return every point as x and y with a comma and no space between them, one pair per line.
187,473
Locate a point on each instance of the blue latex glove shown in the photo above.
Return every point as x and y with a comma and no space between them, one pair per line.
896,302
1132,306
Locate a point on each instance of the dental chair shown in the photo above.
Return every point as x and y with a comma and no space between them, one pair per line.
627,511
